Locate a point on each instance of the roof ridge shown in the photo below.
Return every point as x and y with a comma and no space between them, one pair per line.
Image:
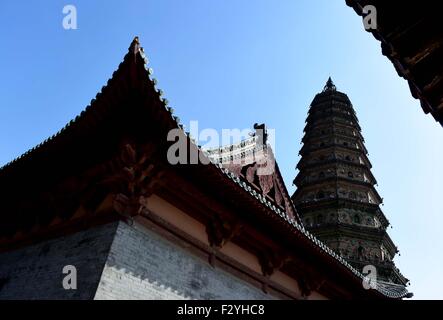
134,49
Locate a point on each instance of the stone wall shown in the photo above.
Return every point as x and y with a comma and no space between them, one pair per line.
116,261
36,272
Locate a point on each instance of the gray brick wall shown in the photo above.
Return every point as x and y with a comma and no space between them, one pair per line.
35,272
116,261
143,265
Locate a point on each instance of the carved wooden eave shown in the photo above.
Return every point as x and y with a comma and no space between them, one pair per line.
411,38
106,164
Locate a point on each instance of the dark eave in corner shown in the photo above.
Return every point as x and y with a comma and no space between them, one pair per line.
411,36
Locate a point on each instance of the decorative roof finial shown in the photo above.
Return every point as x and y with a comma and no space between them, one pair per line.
330,86
261,132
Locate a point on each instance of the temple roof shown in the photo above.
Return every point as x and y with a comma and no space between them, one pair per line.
253,160
93,132
411,37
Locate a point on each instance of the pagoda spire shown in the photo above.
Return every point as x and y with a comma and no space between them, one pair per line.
330,86
336,196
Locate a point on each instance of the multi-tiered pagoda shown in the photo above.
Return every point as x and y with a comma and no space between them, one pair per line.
335,194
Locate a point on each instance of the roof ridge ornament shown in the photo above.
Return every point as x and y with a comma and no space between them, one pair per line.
330,86
261,133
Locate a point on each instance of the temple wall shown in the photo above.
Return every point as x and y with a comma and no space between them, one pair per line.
118,261
143,265
36,272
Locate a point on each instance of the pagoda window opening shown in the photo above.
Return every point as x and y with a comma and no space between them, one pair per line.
360,252
319,219
345,144
321,175
370,199
350,174
357,219
352,195
320,195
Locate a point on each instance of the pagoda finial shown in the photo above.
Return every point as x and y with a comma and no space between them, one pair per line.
330,86
135,45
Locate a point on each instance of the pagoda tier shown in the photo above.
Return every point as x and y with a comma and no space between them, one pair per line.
335,196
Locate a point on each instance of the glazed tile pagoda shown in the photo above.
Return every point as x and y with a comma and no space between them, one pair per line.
335,195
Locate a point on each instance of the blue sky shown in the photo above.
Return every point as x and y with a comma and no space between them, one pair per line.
229,64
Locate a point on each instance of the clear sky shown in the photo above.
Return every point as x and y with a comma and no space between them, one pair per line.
229,64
